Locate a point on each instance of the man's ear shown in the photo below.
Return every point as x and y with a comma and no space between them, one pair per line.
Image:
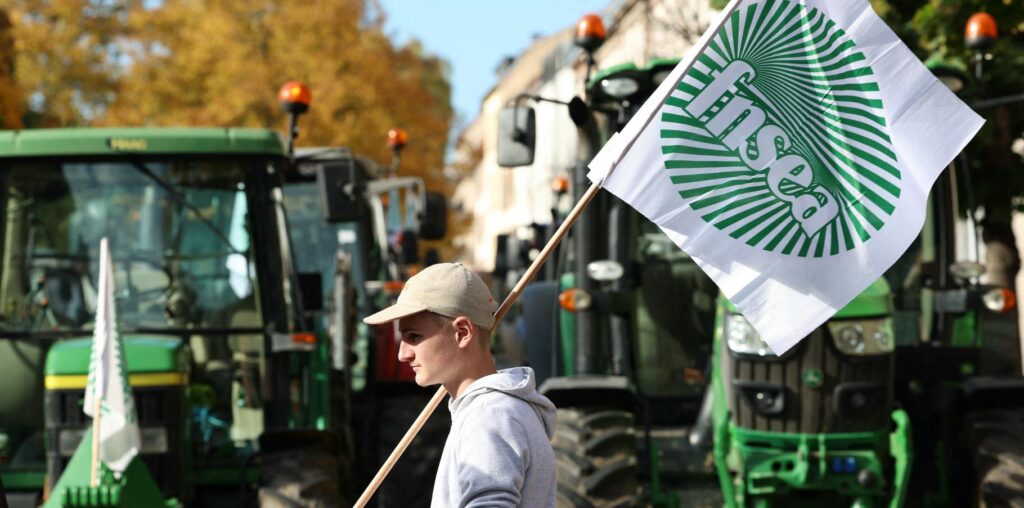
463,331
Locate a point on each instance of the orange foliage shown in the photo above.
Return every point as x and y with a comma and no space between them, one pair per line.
10,95
220,63
67,56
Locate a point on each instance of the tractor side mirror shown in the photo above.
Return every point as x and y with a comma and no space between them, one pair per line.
579,112
340,191
435,217
517,129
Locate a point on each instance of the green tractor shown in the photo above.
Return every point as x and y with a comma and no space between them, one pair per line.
620,335
889,403
338,210
224,367
911,395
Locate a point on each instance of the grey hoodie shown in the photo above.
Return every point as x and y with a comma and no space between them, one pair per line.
498,452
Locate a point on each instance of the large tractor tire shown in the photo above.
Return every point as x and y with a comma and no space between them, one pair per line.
595,453
997,440
300,470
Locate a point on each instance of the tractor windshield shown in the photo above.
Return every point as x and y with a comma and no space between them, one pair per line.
179,238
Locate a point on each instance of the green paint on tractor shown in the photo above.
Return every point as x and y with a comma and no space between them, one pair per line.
122,141
143,353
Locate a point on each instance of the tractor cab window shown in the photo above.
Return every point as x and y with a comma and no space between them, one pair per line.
179,238
181,247
675,317
316,242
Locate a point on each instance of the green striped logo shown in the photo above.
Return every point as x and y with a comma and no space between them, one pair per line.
776,136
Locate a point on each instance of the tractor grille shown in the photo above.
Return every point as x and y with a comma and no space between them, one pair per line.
784,394
159,407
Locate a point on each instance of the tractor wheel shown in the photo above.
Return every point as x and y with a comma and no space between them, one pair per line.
411,482
997,440
595,453
299,479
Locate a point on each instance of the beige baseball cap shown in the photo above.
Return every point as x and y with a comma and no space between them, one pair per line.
448,289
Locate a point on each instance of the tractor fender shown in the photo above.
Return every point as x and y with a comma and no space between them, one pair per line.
591,391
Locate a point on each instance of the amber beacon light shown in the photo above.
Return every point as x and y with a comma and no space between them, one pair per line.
981,31
294,97
397,138
590,32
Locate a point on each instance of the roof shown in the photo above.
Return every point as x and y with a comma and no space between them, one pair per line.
140,140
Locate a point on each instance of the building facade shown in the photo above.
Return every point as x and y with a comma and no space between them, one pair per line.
508,201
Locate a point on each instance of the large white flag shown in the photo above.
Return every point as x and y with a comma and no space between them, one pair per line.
790,154
108,379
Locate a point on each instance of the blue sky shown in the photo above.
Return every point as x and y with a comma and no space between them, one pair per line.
474,35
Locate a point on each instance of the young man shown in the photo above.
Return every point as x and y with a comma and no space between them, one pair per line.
498,452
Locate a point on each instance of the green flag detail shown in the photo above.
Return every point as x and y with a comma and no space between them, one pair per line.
772,142
790,154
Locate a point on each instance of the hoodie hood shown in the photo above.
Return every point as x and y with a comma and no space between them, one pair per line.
519,382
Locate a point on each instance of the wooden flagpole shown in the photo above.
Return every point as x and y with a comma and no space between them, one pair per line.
527,277
535,267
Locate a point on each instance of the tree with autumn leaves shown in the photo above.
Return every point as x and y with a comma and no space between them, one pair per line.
220,63
934,30
10,98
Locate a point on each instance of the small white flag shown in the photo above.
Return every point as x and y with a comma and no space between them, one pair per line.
108,379
791,155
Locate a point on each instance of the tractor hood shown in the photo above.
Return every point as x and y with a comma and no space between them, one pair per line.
874,301
143,353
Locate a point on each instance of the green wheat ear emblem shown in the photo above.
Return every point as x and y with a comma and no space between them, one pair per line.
776,134
813,378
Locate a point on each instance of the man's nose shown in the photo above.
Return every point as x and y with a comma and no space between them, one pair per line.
404,352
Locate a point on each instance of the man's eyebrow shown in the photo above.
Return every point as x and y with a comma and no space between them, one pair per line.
407,329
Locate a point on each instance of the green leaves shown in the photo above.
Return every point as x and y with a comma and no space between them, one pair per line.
937,29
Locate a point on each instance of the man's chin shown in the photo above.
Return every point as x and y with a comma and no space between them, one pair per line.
425,382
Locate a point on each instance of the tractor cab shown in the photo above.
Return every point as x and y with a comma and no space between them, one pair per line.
356,225
208,302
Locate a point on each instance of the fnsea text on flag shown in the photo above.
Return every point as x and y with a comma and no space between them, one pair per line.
790,154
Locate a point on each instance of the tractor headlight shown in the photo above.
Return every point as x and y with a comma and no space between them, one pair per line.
862,337
999,300
605,270
620,87
850,339
742,338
